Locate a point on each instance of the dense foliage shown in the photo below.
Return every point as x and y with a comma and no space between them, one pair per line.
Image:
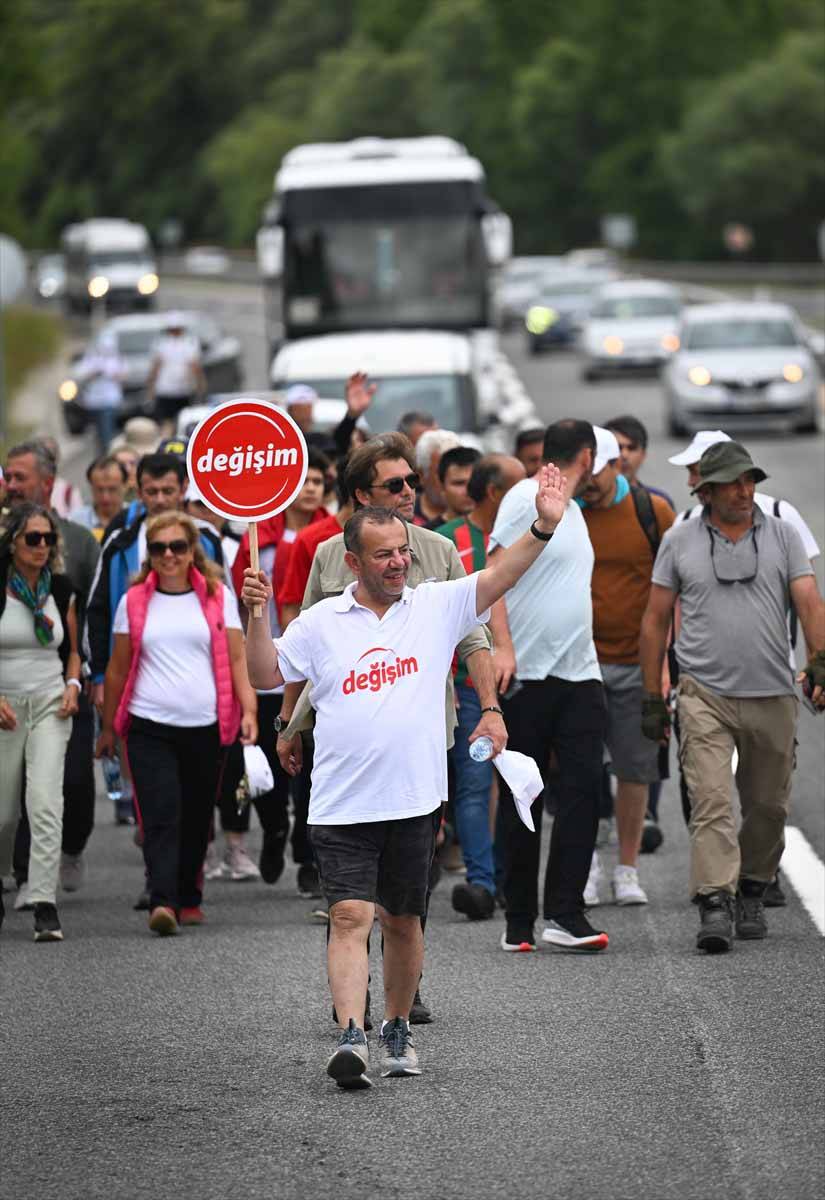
687,116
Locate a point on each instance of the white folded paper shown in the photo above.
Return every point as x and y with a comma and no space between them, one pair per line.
524,780
258,772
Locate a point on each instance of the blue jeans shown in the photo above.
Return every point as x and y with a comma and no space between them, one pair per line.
472,793
105,423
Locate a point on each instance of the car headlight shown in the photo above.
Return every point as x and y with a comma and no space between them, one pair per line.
613,345
670,342
148,283
98,286
540,318
793,373
67,390
699,376
48,287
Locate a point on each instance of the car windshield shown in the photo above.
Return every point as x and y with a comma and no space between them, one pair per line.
51,264
745,334
630,308
399,394
561,291
118,258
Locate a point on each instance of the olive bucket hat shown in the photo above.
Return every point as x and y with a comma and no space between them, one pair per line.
724,462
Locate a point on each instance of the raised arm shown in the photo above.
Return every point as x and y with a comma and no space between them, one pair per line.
507,566
261,655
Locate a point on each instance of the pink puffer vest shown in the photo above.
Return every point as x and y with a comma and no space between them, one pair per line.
137,606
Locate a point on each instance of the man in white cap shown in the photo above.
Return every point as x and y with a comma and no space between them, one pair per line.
626,524
300,400
176,376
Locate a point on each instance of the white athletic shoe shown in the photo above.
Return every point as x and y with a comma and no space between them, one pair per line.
238,866
591,891
213,866
72,872
626,889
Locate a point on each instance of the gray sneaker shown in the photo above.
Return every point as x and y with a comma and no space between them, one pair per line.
72,872
398,1055
348,1065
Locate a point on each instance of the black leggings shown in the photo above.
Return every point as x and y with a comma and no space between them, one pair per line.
176,773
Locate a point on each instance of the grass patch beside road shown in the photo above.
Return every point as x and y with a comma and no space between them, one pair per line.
30,339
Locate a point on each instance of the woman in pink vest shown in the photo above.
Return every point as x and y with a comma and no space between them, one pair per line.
177,692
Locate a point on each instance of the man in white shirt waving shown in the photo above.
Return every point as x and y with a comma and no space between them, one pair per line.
374,656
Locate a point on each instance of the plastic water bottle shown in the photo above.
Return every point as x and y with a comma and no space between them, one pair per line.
481,749
113,778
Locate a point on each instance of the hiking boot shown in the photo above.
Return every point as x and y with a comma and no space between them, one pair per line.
47,923
348,1065
575,934
474,901
774,895
237,864
162,921
309,881
652,836
271,862
398,1056
591,890
716,933
420,1014
72,872
518,938
750,911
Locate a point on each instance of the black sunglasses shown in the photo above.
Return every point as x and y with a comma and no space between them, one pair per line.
158,549
396,485
728,569
34,538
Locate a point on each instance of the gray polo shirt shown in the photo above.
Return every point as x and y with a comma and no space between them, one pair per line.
733,638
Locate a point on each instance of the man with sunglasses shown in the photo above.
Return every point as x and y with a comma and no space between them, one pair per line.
733,570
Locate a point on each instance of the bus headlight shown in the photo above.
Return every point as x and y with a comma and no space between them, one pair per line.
98,286
147,284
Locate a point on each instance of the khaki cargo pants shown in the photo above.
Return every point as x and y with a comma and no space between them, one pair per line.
763,732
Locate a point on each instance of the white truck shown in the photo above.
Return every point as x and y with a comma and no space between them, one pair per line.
110,262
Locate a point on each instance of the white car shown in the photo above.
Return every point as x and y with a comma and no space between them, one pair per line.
633,324
742,366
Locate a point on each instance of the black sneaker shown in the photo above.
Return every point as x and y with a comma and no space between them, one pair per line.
367,1017
716,933
348,1065
271,862
774,895
143,902
750,911
474,901
398,1056
47,924
309,881
419,1012
518,938
652,836
575,934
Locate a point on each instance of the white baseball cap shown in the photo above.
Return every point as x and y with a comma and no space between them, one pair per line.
700,443
607,448
300,393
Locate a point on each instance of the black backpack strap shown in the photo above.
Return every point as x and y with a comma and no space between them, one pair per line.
793,618
646,516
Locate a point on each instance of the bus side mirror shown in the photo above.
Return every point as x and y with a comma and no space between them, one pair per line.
497,231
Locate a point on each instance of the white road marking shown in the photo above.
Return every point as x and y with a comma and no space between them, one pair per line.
805,871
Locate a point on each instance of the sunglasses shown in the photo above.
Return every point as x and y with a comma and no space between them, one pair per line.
158,549
36,538
396,485
738,564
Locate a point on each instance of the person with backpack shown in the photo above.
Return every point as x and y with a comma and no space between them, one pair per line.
626,523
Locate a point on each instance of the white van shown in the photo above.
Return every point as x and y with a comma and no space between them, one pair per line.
109,261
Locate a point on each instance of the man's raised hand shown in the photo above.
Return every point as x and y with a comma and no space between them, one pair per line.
551,498
359,394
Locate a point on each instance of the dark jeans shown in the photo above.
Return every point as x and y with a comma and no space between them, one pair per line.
570,718
78,794
273,806
176,773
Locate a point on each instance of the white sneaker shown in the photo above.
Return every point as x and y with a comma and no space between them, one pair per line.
591,891
213,865
72,872
238,865
626,889
22,903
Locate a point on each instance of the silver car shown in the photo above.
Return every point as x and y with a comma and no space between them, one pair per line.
744,366
632,325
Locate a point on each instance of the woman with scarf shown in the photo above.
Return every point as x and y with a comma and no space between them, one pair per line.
177,692
39,689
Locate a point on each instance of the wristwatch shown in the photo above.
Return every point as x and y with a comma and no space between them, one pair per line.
280,724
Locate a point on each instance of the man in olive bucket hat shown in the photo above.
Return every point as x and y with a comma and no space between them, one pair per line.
733,569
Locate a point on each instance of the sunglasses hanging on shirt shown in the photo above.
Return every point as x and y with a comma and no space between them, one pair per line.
734,562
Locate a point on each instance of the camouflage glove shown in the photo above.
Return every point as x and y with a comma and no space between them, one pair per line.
655,718
815,670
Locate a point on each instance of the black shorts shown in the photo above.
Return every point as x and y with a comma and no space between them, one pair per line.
168,407
383,862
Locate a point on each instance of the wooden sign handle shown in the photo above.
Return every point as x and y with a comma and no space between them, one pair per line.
254,560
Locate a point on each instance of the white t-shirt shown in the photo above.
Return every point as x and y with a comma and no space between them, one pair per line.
27,667
378,694
175,682
102,373
550,609
786,512
178,355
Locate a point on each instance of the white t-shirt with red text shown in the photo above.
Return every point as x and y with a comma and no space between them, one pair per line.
378,694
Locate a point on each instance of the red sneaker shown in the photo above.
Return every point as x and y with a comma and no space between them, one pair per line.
192,916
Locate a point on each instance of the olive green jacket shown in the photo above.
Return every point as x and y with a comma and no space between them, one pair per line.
433,557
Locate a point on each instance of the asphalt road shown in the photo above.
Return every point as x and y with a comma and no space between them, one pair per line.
193,1067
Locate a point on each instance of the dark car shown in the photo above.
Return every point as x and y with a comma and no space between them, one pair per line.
558,312
136,335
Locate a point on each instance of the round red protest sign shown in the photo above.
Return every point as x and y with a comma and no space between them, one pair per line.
248,460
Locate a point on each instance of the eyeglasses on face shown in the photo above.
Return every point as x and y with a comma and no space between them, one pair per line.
37,537
396,485
158,549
